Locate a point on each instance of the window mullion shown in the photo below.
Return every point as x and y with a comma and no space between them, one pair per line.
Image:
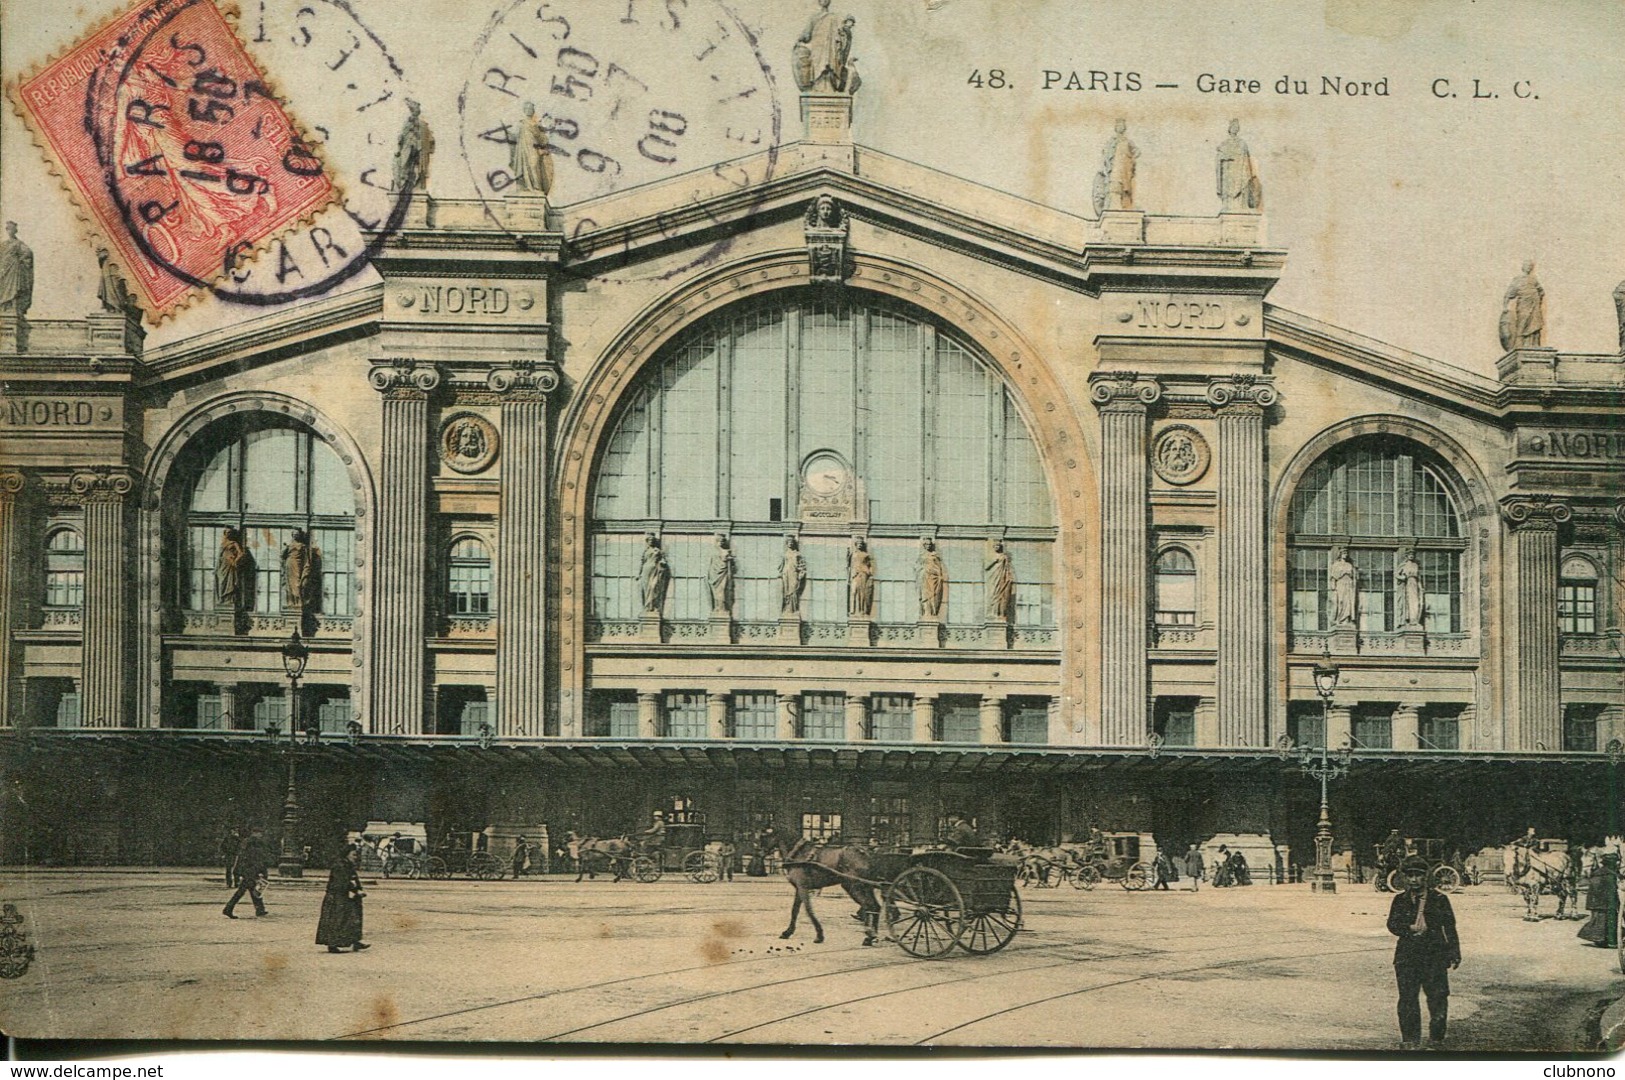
792,410
928,422
724,432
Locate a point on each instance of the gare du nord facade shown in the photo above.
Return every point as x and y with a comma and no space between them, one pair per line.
1137,477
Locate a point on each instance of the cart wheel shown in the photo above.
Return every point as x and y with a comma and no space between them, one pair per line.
1137,877
1396,885
701,867
411,868
927,912
1085,877
436,868
645,869
989,931
1445,879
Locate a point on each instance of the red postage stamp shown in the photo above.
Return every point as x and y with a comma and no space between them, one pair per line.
170,136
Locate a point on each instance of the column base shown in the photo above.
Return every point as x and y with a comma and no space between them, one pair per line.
649,628
789,630
1122,226
860,631
928,634
1323,882
1413,642
996,635
525,213
721,630
1345,642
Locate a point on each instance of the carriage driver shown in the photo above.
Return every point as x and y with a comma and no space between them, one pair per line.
960,833
655,835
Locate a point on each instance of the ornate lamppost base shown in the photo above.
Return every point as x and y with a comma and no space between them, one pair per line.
1323,883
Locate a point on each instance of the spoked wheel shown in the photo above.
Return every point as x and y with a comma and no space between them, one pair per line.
1086,877
1445,879
1028,873
989,931
645,869
927,913
701,867
1395,884
436,868
1137,877
484,866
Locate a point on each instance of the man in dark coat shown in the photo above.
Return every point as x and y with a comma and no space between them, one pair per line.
1194,867
960,834
253,860
340,923
230,842
1602,900
1164,870
521,855
1421,918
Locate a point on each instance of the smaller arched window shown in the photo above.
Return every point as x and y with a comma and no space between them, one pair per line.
468,578
65,569
1577,596
1175,588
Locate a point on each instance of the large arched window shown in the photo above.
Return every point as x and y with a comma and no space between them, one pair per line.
1379,498
468,578
267,482
889,422
64,568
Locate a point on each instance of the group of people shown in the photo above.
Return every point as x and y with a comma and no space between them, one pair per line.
339,926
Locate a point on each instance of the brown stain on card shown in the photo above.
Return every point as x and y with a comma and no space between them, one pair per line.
714,949
405,920
382,1012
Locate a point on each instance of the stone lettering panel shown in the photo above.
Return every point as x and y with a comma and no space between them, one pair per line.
1181,314
1577,446
465,300
51,413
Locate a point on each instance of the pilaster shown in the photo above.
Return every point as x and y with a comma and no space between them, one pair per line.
1207,722
402,565
1534,522
789,710
925,719
990,717
11,487
648,716
1339,726
857,718
521,571
1124,400
1244,623
1407,724
716,716
104,657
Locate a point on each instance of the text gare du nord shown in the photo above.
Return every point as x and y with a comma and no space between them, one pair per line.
1206,83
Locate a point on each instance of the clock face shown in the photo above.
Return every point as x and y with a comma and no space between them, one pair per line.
825,474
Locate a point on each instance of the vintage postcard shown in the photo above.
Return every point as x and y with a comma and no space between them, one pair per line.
878,523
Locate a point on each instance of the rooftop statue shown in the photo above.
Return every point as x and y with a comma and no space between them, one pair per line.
1523,312
822,57
530,163
1239,189
413,151
16,274
1114,184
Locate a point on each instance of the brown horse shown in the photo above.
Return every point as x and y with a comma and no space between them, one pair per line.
809,866
587,851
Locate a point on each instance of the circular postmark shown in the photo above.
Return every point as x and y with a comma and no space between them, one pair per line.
173,118
626,93
1180,455
468,442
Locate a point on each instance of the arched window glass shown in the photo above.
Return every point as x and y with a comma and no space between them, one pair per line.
1175,588
1381,498
268,483
1577,596
468,575
65,569
928,437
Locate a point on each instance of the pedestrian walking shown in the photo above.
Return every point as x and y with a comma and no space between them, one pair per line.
1164,868
230,841
1194,867
1421,918
1602,900
521,856
340,924
727,852
253,860
1222,868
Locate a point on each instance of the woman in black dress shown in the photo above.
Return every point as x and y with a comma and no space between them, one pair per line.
340,924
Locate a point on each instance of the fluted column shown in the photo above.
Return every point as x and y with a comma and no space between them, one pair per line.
1339,727
716,716
104,670
399,582
1407,727
925,718
1537,714
648,716
521,584
1244,618
11,486
789,710
1123,400
857,717
990,716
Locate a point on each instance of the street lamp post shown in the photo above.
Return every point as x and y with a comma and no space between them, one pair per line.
295,654
1324,770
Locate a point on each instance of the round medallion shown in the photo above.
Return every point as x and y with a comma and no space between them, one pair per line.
1180,455
468,443
825,473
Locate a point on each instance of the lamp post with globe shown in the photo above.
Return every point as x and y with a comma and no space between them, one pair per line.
291,864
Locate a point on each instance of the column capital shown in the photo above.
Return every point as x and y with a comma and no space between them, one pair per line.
1536,513
404,378
523,380
11,484
1123,390
101,485
1245,389
649,695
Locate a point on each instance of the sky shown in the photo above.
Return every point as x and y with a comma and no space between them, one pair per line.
1405,215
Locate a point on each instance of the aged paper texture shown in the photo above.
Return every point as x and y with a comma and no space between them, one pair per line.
906,523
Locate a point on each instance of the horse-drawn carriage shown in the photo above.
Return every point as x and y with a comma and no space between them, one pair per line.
1111,856
1443,873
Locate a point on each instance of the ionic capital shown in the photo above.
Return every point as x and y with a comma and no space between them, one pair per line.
404,378
11,484
1535,512
1228,391
520,379
1123,390
101,486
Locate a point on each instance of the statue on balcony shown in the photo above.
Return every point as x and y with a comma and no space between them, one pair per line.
301,574
113,292
1619,313
1114,184
413,150
1239,189
861,580
792,576
654,576
720,576
1408,587
234,573
933,579
1523,313
530,162
1001,584
16,274
1343,580
822,57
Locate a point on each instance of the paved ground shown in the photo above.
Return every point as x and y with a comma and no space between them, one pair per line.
148,955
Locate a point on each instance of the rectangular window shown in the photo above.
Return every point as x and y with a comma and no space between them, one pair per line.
473,716
960,436
827,358
1371,494
612,714
819,825
758,592
964,560
1376,588
211,712
1441,591
1306,724
688,477
1174,718
891,718
757,468
1034,566
1026,494
1577,607
897,590
756,716
959,719
892,412
688,597
890,823
338,574
685,716
1029,720
825,600
1306,575
333,714
1439,727
271,711
623,476
1580,728
616,562
1175,591
67,710
823,717
1373,726
64,588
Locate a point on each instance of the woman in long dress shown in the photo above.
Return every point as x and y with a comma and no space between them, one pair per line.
340,923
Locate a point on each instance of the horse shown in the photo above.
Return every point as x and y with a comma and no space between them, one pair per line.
1533,876
617,852
809,866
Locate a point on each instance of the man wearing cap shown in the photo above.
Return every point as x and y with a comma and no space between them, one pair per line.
655,835
961,833
1422,919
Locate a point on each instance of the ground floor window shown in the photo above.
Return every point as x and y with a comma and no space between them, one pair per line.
612,714
1373,725
889,820
959,719
823,717
1306,724
755,716
820,825
1439,727
461,710
685,715
1029,720
1174,719
891,718
1580,728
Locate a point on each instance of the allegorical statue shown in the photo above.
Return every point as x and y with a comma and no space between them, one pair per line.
1000,578
822,57
1523,313
16,274
1619,312
720,576
530,162
1114,184
860,596
1239,189
301,574
792,576
654,575
413,150
1343,579
933,579
234,573
112,291
1408,587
